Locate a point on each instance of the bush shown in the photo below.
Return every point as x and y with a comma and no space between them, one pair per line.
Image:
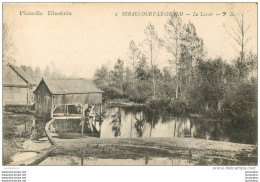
113,93
137,97
178,106
160,104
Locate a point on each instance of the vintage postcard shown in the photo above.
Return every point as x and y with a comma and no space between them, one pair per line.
165,84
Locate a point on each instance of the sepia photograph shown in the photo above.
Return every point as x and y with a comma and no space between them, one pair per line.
129,84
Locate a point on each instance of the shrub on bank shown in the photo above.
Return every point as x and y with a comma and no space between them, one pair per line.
137,97
113,93
159,104
177,106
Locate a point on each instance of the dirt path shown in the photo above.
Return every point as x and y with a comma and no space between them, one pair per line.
203,152
43,153
46,153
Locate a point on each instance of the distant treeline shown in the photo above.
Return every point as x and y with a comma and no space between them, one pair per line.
191,83
37,73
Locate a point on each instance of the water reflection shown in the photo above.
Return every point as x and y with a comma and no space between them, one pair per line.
116,123
139,125
23,158
127,122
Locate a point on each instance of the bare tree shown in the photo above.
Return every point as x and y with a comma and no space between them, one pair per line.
151,47
133,57
173,38
9,48
239,34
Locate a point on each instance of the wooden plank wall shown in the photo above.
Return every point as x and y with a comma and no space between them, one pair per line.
74,99
14,89
14,96
43,102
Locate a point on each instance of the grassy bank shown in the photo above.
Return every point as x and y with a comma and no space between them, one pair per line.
16,129
178,107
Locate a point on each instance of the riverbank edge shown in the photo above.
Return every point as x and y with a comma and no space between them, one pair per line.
45,154
133,148
128,103
121,102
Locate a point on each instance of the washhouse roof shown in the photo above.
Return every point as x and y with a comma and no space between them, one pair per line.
10,79
70,86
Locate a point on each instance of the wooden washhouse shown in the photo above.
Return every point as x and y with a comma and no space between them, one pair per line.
53,99
18,87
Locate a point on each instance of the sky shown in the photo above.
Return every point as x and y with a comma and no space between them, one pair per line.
97,34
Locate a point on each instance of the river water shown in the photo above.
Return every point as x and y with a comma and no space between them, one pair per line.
135,122
138,122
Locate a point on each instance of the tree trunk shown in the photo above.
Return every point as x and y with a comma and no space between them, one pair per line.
152,66
175,127
131,127
176,61
177,79
134,79
133,71
121,88
207,106
153,87
152,125
180,84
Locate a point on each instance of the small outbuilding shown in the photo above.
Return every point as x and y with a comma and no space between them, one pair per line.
53,98
18,87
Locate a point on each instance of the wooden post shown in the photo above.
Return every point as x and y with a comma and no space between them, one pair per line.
27,96
83,111
52,106
175,126
82,156
131,127
100,118
82,126
90,125
33,125
82,119
90,122
94,118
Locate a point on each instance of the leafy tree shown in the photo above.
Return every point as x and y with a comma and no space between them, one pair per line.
249,65
210,84
9,48
134,53
142,70
101,77
192,45
118,74
192,51
174,29
168,84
